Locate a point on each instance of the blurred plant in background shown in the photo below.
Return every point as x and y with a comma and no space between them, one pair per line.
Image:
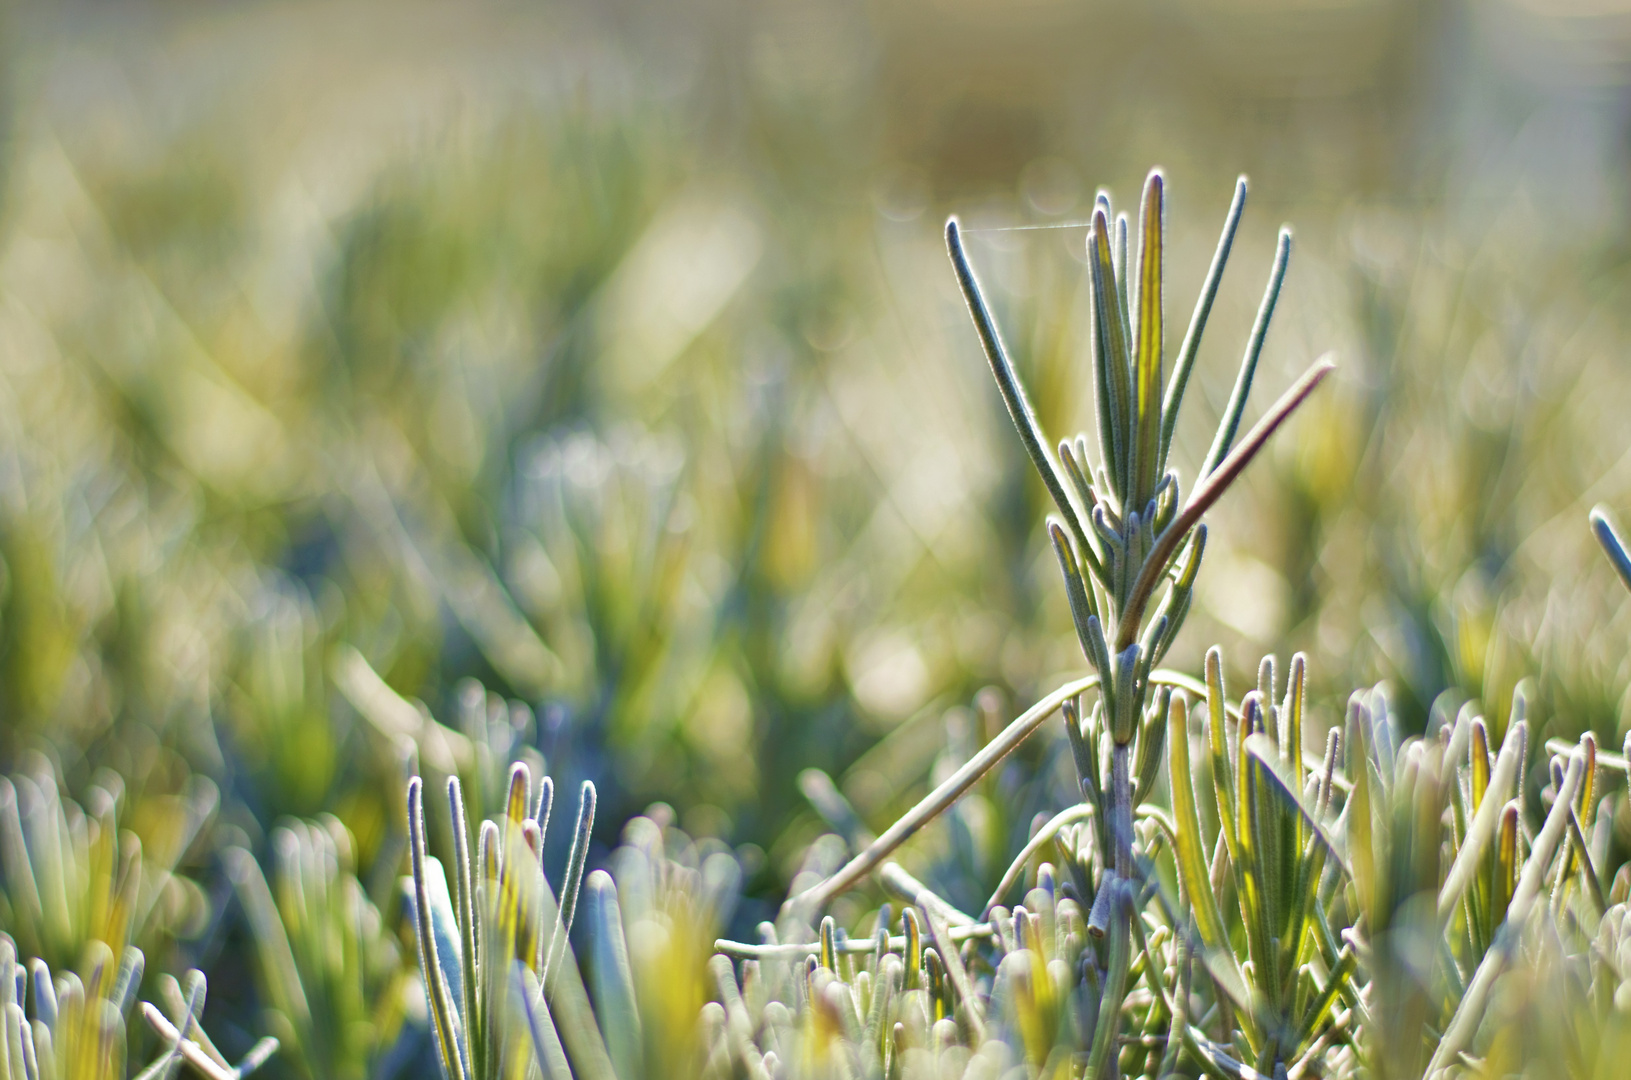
328,965
74,877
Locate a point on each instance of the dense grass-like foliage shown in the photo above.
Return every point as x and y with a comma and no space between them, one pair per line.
1350,913
544,453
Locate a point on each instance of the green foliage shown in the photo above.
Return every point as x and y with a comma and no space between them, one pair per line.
75,874
1328,925
655,444
72,1026
329,968
498,929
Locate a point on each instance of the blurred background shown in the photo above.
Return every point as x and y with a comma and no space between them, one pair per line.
592,374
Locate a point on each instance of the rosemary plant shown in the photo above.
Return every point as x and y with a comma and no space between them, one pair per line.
1123,529
73,875
74,1028
330,971
494,947
1340,913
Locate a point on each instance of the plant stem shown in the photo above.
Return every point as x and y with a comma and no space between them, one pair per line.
932,804
1121,810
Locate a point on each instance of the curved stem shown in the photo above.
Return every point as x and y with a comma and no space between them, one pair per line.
1068,816
936,802
942,797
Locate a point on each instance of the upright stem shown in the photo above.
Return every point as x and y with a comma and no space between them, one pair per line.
1121,810
1121,827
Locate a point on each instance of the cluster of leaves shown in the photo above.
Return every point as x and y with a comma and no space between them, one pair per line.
79,888
505,991
1345,914
1369,949
479,513
1224,899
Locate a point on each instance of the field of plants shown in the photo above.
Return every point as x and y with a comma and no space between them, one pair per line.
933,539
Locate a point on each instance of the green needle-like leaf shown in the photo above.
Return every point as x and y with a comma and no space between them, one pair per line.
1189,853
1484,823
1614,547
1362,855
1083,755
444,1025
1147,365
1013,391
1081,600
1197,324
616,1005
1218,741
1111,353
574,879
1291,715
1248,366
465,906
